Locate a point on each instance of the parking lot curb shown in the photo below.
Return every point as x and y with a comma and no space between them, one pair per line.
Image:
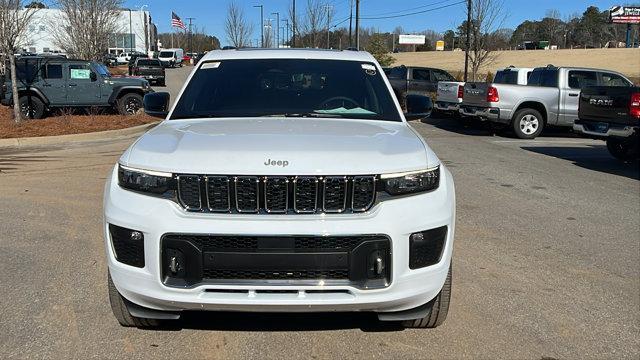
75,138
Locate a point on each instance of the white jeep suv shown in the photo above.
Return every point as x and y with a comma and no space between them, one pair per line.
281,181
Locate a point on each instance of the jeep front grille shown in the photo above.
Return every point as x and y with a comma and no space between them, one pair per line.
276,194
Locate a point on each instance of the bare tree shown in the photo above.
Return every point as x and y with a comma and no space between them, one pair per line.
14,19
86,26
313,23
237,28
486,17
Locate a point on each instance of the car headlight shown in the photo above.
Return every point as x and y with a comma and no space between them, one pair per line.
153,182
411,182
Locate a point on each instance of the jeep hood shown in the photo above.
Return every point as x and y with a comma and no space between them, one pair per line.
243,146
124,80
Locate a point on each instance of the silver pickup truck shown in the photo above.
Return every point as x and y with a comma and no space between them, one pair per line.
450,93
549,98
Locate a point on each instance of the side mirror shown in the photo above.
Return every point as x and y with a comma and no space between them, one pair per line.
418,107
93,76
156,104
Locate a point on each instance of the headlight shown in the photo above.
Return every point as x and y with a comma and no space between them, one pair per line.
153,182
411,182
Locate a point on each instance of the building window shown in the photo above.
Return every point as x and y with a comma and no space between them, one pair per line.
125,41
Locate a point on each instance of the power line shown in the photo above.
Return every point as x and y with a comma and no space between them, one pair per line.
413,13
410,9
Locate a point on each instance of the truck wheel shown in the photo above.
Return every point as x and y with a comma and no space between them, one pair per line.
439,308
33,110
622,150
121,313
130,104
527,123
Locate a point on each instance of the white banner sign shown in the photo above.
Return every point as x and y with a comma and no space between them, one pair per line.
412,40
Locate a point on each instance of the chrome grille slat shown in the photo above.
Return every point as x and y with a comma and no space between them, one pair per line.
218,193
363,193
189,194
247,192
334,194
305,188
276,194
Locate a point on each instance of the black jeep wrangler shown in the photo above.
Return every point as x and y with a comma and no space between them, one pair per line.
45,83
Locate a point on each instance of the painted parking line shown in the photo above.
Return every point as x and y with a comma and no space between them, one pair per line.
563,141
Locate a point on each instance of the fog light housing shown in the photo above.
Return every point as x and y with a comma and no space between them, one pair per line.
426,247
128,245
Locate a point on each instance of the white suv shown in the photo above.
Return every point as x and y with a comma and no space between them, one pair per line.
281,181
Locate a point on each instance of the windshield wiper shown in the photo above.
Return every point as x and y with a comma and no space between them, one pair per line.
308,114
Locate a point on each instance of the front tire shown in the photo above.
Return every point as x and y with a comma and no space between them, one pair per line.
33,109
439,308
119,309
130,104
527,123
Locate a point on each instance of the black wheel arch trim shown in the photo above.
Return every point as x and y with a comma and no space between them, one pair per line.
120,90
37,92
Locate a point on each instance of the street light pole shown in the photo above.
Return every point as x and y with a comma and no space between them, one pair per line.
130,33
286,31
358,24
190,36
328,7
261,24
293,29
277,14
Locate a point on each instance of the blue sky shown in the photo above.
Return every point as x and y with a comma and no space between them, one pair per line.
211,13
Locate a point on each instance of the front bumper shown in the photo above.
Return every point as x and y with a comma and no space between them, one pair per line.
493,114
601,130
447,106
397,218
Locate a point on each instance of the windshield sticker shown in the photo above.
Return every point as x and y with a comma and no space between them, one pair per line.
369,69
80,74
210,65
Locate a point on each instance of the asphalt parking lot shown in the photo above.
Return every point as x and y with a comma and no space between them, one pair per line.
546,262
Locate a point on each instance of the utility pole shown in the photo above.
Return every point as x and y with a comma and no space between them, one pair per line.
468,42
350,23
190,35
261,23
130,33
328,7
286,30
358,24
293,29
277,14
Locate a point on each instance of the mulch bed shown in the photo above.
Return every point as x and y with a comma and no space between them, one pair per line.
64,124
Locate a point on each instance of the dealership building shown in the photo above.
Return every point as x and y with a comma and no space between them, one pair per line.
135,32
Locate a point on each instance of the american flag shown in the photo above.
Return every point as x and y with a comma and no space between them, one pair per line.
176,22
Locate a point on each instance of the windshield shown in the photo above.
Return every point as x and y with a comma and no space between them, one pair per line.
506,77
287,87
166,54
148,62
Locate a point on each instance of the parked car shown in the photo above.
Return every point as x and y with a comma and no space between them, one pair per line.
132,60
284,181
171,57
549,98
123,58
110,60
416,80
451,93
611,113
150,69
48,83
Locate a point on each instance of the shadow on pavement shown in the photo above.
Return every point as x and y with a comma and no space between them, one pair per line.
474,127
265,322
592,157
